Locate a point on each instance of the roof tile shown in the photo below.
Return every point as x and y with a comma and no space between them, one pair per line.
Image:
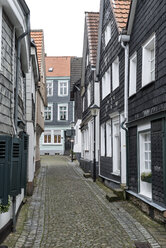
121,10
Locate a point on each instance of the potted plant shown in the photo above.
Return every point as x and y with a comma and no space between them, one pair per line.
146,177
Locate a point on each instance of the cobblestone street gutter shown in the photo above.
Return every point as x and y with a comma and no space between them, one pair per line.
67,210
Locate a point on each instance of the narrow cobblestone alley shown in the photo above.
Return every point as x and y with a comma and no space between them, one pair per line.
68,210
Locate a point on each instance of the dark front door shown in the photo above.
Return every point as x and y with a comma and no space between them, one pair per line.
67,144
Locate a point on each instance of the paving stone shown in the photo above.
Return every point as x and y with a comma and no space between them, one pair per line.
69,210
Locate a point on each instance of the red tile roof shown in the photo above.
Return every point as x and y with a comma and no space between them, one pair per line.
38,37
92,22
121,10
60,65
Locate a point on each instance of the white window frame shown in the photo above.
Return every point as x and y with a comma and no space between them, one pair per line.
46,110
49,87
109,138
108,33
103,139
63,87
148,61
106,83
83,103
133,74
115,74
57,133
48,133
63,105
89,94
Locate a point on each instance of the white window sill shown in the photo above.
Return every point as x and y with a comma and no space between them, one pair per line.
51,144
116,173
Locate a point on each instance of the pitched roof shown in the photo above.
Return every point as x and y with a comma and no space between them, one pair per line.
60,66
121,10
38,37
76,66
92,22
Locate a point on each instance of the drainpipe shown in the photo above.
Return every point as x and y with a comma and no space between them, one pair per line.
16,101
124,39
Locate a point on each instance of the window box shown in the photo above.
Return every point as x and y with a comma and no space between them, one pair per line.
146,177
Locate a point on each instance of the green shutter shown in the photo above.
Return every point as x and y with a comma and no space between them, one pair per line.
5,163
24,160
15,187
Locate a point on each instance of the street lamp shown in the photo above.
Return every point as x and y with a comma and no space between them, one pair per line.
72,138
94,112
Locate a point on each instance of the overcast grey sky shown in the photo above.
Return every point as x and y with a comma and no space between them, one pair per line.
62,22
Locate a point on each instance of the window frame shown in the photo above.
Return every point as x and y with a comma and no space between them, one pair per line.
115,73
147,49
106,83
63,105
49,105
51,87
133,75
108,33
63,88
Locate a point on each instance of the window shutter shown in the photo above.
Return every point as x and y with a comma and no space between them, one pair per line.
24,159
15,187
5,163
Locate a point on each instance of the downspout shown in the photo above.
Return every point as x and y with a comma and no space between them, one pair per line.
17,75
124,39
16,102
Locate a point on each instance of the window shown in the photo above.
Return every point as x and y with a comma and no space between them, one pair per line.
62,112
133,74
103,139
107,33
116,144
145,147
145,161
106,84
49,88
50,69
89,94
48,113
148,61
115,73
57,137
83,103
62,88
108,139
47,137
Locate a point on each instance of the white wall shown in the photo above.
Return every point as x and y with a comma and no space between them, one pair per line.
78,138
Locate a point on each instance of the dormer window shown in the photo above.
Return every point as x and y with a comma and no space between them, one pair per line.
107,33
50,69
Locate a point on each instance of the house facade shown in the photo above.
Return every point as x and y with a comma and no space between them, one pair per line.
41,93
32,79
60,111
111,72
14,64
76,69
89,94
147,106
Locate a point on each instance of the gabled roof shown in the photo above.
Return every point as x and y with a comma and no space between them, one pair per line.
59,66
92,22
121,9
38,37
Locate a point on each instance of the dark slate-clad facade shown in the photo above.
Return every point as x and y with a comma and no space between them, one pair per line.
89,90
147,104
75,80
110,70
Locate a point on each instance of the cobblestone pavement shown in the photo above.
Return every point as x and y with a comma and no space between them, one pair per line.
69,211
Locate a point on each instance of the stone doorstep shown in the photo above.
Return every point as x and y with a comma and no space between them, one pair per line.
111,197
142,245
87,175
